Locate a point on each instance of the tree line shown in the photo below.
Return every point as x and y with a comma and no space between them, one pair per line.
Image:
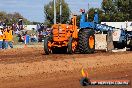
12,18
110,11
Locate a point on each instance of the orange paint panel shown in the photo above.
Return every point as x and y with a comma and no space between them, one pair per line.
62,33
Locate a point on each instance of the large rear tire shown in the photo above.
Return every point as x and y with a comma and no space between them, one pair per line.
47,49
86,42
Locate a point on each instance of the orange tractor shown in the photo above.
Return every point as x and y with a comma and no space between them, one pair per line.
64,36
69,38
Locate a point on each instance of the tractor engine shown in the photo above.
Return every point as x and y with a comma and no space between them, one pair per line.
61,34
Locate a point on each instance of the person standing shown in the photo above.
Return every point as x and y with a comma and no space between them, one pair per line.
10,34
8,37
4,37
35,38
1,37
31,37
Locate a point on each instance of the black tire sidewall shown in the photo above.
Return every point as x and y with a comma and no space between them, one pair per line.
46,39
69,46
84,46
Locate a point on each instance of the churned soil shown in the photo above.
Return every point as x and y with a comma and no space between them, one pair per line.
31,68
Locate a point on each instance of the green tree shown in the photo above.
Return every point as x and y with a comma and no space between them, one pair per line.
17,15
10,18
2,16
108,6
91,14
49,12
117,10
124,7
78,20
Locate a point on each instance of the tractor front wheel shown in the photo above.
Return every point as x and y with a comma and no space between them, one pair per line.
47,45
71,47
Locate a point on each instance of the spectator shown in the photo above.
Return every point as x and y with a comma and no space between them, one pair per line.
1,23
44,33
31,37
1,37
8,37
38,27
4,24
20,39
35,38
4,37
26,38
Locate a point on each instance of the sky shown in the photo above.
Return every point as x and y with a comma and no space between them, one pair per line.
33,9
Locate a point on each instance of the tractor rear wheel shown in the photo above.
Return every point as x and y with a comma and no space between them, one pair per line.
71,46
86,42
47,43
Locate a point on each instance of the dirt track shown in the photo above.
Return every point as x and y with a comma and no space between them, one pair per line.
30,68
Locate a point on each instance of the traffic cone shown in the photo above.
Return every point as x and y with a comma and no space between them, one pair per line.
25,45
